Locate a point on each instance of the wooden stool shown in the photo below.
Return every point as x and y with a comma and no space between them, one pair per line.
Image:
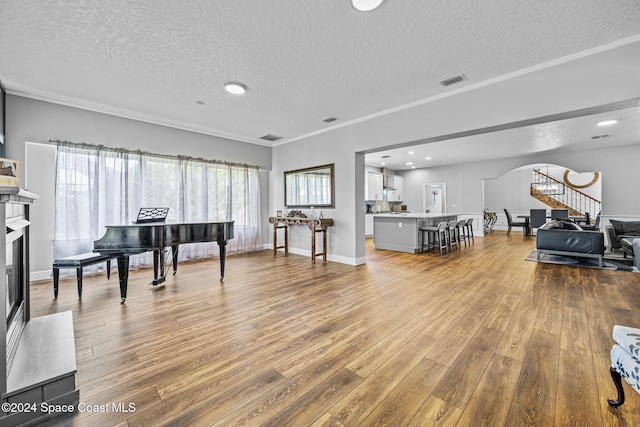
276,226
323,230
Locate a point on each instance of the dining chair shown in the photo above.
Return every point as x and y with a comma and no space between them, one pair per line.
537,217
559,213
511,223
592,227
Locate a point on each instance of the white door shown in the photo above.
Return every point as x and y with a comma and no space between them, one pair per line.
434,198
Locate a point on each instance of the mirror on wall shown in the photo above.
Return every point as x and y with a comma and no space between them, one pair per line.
309,187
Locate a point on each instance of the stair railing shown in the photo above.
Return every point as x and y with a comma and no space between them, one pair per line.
575,200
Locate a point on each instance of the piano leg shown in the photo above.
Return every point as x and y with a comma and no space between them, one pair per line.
158,264
123,274
223,251
174,252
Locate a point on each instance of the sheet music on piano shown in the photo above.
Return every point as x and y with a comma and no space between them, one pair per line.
151,215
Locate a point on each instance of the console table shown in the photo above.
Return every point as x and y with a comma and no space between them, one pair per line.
316,225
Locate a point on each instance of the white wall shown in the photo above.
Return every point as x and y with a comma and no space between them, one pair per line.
36,121
545,91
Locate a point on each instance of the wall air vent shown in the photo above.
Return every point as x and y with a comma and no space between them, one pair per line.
330,119
270,137
453,80
599,136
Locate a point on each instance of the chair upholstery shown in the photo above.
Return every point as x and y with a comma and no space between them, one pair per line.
625,360
593,227
559,213
537,218
511,223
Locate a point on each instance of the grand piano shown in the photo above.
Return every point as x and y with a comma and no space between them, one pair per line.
121,241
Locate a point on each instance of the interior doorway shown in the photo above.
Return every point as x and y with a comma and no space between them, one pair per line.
434,198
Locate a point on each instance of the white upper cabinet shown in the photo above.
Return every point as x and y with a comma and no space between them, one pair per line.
397,182
373,190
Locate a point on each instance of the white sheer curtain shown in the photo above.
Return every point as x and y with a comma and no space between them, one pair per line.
96,187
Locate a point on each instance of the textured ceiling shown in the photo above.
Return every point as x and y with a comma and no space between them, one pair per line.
302,61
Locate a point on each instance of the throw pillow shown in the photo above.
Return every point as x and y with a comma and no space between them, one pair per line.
631,228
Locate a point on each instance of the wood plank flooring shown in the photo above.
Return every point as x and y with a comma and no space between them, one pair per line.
476,337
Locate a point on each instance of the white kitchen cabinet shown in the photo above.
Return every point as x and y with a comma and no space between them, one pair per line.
368,225
374,186
398,183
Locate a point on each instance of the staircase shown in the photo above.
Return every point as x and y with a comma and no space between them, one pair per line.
577,202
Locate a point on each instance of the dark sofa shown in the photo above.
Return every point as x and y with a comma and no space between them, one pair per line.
618,230
571,242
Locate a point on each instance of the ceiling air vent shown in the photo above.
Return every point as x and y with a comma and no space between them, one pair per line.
453,80
330,119
599,136
270,137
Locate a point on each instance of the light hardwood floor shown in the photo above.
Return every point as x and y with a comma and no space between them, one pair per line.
476,337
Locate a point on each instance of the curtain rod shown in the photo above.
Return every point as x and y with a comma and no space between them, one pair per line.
100,147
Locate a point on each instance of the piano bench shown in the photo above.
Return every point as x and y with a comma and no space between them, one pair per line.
78,262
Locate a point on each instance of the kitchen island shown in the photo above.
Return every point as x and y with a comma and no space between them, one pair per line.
401,232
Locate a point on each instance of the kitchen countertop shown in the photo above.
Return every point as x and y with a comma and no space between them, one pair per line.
411,215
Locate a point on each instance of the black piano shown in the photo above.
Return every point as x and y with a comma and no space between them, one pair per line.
121,241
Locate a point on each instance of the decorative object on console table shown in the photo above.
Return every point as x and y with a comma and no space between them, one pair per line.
9,170
316,225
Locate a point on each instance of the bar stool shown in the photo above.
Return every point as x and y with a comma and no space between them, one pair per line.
432,231
452,231
435,234
462,234
469,227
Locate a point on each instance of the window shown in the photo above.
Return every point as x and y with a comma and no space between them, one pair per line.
96,187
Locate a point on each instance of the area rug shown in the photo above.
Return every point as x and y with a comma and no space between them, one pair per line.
609,264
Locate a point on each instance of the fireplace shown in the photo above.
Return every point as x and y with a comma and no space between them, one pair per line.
39,353
15,278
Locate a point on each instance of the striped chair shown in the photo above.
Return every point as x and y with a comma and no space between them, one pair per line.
625,360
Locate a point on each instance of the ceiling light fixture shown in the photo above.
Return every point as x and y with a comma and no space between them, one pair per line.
366,5
545,184
607,122
427,158
409,163
235,88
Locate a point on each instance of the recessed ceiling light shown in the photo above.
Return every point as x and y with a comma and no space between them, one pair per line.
235,88
409,163
413,167
427,158
607,122
366,5
382,163
410,152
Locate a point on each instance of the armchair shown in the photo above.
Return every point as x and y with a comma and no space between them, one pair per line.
625,360
618,230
